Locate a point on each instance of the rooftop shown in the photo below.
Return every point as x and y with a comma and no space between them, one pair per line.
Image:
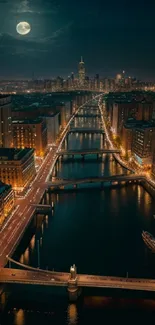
27,121
132,123
14,153
50,114
4,96
4,187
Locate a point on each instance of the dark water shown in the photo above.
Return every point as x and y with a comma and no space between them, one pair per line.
99,231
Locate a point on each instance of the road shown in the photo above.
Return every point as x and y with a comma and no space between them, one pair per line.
48,278
16,225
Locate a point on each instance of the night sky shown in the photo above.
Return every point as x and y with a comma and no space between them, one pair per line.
111,35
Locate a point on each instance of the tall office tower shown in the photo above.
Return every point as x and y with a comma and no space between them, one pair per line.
5,121
82,73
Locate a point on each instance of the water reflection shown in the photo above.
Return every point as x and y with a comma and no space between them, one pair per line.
32,243
72,315
26,256
46,221
19,317
42,228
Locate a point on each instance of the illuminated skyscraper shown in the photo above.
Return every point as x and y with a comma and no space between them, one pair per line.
82,74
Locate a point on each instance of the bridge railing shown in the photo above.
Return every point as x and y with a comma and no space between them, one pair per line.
31,268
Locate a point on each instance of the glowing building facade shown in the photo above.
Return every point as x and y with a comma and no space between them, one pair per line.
6,201
142,143
30,134
17,167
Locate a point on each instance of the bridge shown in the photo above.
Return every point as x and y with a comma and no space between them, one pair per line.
86,130
42,208
71,280
60,184
48,278
84,152
88,115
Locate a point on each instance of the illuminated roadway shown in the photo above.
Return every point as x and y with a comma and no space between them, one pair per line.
16,225
47,278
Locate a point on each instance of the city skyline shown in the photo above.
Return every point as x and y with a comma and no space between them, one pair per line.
77,162
111,37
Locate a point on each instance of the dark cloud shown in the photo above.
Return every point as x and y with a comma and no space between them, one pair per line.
111,35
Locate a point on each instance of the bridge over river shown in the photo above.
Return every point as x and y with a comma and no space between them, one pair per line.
72,281
113,180
86,130
84,152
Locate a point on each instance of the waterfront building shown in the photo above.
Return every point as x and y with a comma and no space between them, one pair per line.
127,136
6,201
120,111
144,110
25,113
5,121
17,167
53,126
65,112
30,134
143,136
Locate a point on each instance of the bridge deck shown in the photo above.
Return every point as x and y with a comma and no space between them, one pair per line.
87,115
47,278
85,130
116,178
87,151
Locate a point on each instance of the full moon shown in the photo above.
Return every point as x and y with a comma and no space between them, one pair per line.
23,28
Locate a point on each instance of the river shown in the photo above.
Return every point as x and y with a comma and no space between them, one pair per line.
97,229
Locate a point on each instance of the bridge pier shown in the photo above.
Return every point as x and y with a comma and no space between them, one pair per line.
4,295
73,289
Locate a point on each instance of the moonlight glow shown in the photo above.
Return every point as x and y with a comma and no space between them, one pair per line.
23,28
